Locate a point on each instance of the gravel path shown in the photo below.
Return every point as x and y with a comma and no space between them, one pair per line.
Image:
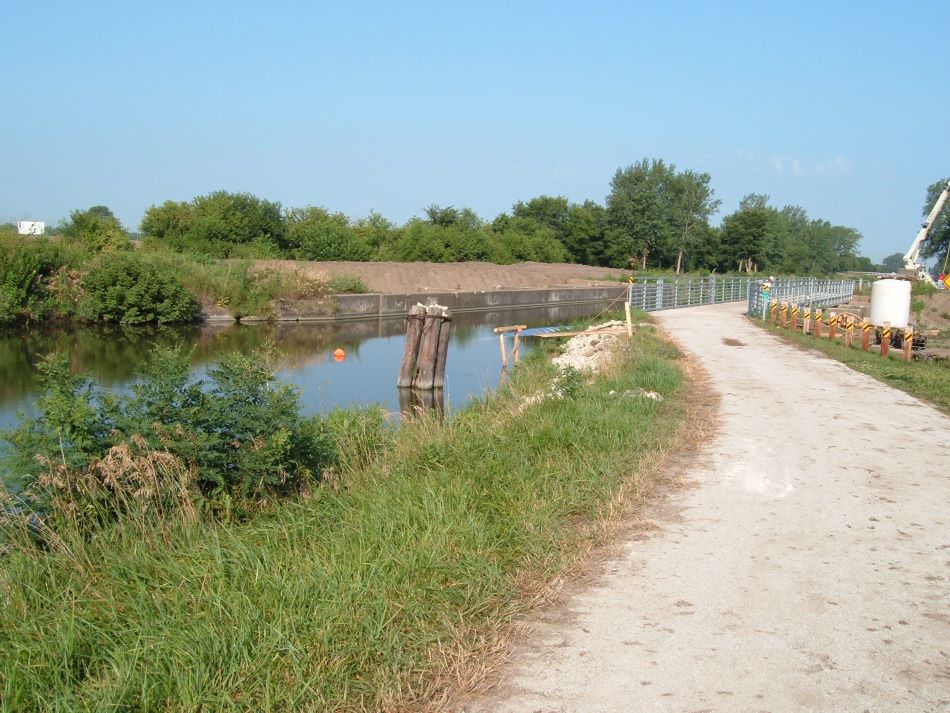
806,570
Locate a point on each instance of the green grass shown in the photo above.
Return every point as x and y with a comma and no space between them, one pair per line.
364,596
929,382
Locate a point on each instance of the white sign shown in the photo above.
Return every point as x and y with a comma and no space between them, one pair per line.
30,227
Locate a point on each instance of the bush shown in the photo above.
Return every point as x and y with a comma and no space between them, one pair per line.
126,288
315,234
239,438
25,263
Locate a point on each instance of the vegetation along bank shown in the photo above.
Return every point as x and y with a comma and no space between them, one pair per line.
188,558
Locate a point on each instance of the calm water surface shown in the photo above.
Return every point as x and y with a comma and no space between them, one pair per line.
367,375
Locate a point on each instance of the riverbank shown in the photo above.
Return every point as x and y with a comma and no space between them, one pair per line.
376,590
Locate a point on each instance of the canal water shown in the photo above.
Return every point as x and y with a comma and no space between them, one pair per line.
366,376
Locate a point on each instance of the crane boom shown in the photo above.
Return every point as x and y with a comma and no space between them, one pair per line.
912,256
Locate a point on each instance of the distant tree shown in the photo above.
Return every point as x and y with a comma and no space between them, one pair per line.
377,232
693,204
586,233
640,221
937,243
893,263
221,224
754,200
753,237
437,215
316,234
96,229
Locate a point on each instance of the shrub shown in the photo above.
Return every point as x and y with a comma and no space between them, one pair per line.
316,234
126,288
25,263
238,438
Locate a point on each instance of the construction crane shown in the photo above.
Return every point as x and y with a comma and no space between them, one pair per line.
912,265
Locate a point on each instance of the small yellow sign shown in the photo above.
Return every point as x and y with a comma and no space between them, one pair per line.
946,281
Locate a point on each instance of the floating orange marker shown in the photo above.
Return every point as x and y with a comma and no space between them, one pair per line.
339,355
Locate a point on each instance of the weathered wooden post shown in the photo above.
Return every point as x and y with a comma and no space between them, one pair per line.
794,317
849,334
806,322
410,355
833,326
626,309
865,334
785,314
886,339
442,351
908,342
818,323
429,348
773,311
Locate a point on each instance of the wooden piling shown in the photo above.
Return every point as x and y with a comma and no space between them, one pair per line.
429,348
849,333
626,309
785,314
442,351
833,326
908,343
501,347
886,339
818,323
865,334
795,318
414,323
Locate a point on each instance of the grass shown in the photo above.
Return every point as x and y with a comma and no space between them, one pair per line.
368,595
929,382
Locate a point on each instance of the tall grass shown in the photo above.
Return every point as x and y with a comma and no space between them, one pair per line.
361,597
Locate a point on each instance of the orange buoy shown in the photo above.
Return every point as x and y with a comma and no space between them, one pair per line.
339,355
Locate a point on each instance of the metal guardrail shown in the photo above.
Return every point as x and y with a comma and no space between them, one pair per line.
658,293
803,291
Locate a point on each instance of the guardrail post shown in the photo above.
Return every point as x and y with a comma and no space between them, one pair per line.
886,339
908,342
833,326
818,323
865,334
795,317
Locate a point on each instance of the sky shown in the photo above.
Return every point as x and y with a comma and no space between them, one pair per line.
835,106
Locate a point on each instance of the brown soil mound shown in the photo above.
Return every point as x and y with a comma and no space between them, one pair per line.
398,277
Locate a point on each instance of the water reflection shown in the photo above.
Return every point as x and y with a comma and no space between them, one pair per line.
367,375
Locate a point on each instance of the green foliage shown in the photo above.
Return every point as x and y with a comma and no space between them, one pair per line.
221,224
96,230
345,600
26,265
126,288
893,263
937,242
240,433
315,234
345,284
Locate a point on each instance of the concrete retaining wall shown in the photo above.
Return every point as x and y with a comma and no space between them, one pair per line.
380,305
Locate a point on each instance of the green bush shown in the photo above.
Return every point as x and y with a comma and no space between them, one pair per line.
25,264
316,234
126,288
240,435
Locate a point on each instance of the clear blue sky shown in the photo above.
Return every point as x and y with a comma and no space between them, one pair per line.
840,107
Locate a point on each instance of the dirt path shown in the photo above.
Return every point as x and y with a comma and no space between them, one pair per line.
806,570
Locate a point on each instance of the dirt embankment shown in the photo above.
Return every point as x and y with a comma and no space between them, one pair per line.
401,277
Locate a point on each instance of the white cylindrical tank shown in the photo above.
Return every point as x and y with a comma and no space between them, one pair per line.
890,302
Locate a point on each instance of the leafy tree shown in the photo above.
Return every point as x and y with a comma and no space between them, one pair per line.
221,224
693,204
377,232
96,230
586,233
937,243
319,235
893,263
639,221
752,237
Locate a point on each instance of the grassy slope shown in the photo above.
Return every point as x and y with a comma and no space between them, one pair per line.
928,382
363,597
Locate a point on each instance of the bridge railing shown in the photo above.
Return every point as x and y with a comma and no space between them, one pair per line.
659,293
805,291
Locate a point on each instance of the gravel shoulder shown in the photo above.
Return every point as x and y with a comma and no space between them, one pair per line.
805,569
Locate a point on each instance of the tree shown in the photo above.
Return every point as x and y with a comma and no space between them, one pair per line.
586,233
640,221
316,234
221,224
693,204
937,243
893,263
96,229
752,237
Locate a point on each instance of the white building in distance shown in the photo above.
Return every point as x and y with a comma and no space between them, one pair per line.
30,227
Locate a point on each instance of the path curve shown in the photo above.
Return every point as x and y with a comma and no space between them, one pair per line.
807,570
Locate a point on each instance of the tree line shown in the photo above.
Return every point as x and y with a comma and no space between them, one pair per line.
655,217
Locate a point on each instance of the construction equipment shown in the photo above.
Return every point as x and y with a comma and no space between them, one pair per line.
913,268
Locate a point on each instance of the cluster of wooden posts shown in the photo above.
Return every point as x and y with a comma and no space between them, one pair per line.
427,346
786,314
